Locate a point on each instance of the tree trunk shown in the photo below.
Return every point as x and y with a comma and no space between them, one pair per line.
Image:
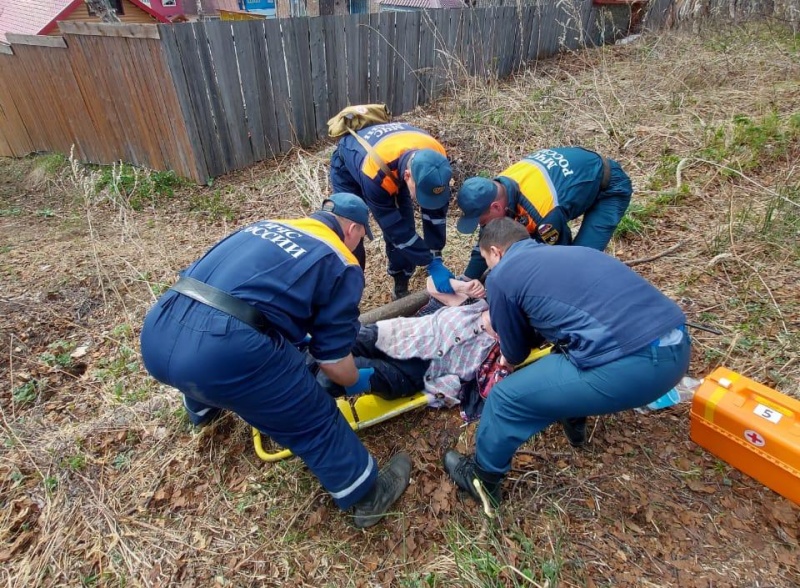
103,9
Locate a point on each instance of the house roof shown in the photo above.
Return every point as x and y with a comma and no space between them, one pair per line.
39,17
423,3
229,5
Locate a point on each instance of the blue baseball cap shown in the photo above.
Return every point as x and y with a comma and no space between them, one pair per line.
431,172
348,206
474,199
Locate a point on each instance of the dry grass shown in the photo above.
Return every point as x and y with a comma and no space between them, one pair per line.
104,484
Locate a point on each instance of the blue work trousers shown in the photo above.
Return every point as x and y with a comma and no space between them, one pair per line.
393,378
552,388
343,181
215,360
601,219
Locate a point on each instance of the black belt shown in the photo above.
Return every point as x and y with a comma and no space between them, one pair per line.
604,183
222,301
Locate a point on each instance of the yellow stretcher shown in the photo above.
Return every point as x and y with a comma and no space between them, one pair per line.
367,410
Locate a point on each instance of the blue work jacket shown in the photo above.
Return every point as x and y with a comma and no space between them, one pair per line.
299,273
592,305
395,143
546,190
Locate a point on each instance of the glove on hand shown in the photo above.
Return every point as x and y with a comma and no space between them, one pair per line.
362,385
440,276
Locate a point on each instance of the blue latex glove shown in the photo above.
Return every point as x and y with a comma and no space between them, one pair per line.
440,276
362,385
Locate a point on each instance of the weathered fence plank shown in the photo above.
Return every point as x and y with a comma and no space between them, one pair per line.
225,83
200,138
440,24
386,57
264,90
193,80
376,47
399,67
319,75
177,135
245,56
38,40
17,140
135,31
335,60
531,33
298,60
411,60
273,31
427,58
357,66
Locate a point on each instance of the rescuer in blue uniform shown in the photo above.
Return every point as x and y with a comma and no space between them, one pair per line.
418,170
622,344
227,336
545,191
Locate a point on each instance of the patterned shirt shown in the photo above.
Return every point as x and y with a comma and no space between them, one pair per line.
453,338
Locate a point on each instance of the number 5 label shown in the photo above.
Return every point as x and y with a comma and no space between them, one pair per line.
768,413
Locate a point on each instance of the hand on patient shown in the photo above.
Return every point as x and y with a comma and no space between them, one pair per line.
472,289
506,364
462,291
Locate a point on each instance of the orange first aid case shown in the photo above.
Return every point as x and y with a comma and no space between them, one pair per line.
752,427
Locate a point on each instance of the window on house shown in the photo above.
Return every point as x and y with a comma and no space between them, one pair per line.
359,6
115,4
169,2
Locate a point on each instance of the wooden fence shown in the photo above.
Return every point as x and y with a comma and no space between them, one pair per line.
207,98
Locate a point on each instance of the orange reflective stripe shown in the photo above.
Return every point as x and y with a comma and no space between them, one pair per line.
391,148
317,230
534,185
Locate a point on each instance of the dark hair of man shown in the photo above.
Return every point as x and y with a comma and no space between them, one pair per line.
501,233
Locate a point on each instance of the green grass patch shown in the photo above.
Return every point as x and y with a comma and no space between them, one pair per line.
507,557
745,141
28,392
638,218
52,163
213,204
58,354
665,174
137,187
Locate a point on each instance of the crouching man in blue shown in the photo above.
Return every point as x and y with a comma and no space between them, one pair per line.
623,344
227,336
403,164
545,191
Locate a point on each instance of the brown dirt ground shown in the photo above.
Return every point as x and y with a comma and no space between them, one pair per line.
104,484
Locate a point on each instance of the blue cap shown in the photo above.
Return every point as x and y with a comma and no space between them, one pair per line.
431,172
474,199
348,206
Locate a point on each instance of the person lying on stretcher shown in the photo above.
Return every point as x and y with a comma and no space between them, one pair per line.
443,354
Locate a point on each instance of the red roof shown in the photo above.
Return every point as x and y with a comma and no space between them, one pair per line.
39,17
423,3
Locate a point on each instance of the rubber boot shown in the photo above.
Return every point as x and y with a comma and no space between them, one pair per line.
469,476
575,430
392,481
400,289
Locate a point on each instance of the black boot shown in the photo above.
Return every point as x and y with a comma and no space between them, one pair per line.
390,484
575,430
400,286
468,475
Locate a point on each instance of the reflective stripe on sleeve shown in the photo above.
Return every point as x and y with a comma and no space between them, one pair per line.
364,476
408,243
